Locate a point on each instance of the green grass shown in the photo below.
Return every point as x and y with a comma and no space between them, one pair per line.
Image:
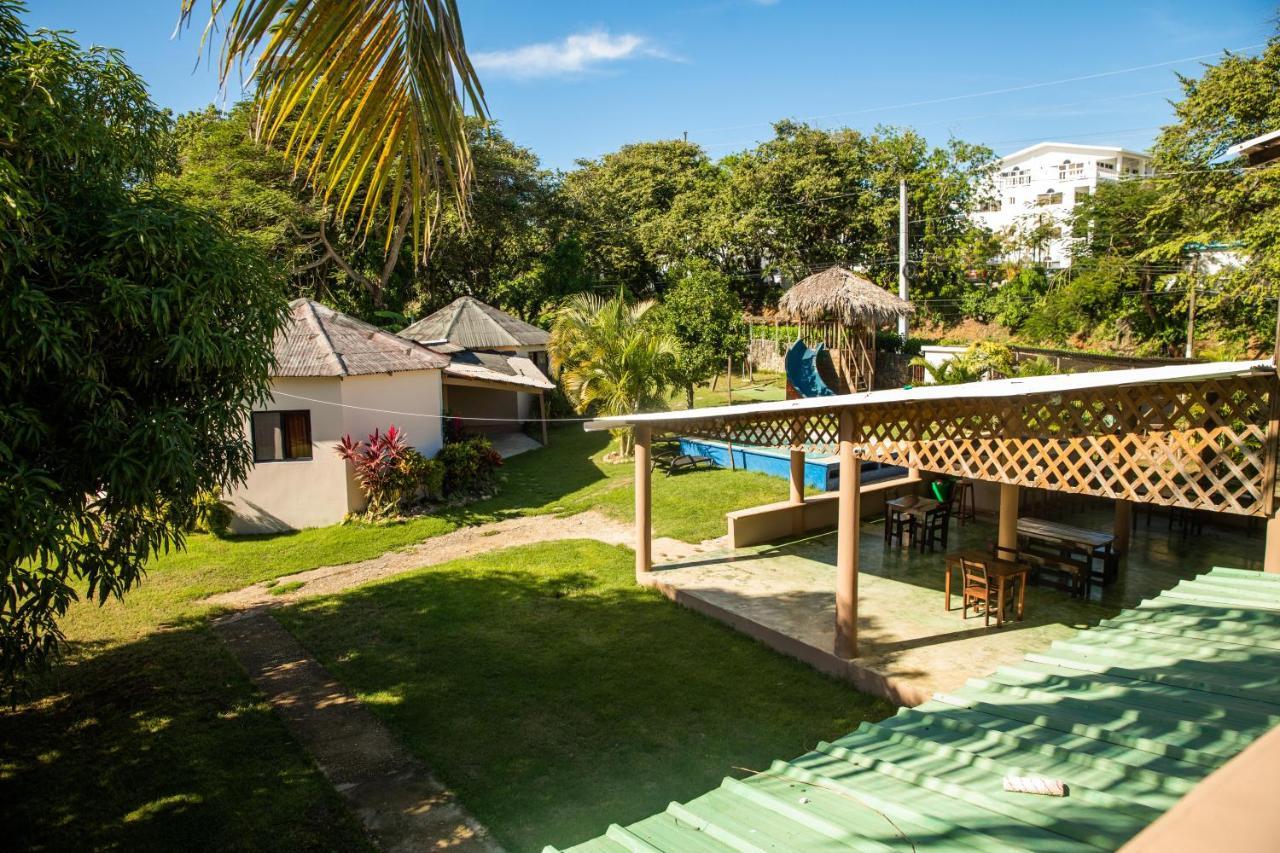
555,695
764,387
571,476
150,737
160,744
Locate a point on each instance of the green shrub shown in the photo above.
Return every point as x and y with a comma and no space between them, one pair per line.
422,477
469,465
212,515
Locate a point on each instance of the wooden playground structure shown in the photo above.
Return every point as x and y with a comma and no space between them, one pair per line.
842,311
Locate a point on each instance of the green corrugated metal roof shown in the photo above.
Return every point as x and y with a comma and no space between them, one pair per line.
1130,714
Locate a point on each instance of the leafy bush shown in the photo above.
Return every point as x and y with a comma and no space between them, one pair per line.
212,515
469,465
390,472
1013,302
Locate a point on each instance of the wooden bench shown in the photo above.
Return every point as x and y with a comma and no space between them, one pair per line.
1069,575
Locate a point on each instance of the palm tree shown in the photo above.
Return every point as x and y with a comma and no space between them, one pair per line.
373,94
611,361
954,371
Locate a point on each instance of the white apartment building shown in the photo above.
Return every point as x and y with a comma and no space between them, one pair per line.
1035,189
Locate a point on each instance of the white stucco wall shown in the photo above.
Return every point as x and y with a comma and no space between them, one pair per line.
936,354
298,493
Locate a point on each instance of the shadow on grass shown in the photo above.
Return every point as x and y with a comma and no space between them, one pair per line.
541,479
160,744
555,695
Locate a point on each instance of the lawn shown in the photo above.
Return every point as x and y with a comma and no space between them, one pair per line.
763,387
571,476
555,695
149,737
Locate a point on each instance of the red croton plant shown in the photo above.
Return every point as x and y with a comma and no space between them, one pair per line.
379,465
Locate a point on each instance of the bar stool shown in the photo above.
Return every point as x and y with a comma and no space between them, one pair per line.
965,503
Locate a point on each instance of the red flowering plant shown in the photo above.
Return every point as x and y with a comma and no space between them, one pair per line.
389,470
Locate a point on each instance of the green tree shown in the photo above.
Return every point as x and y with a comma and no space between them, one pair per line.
1014,301
1203,200
611,359
811,198
133,332
368,97
704,317
640,210
514,219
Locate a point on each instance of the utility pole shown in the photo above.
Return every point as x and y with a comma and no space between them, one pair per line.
1191,309
902,253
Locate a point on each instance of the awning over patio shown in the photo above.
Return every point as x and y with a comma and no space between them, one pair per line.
1192,436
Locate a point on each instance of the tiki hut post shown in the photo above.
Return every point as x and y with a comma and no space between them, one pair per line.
848,309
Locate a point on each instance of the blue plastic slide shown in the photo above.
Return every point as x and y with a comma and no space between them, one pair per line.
802,370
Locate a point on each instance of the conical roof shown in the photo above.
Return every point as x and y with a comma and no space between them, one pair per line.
470,323
839,294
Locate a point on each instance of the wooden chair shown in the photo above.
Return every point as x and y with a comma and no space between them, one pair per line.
937,522
977,587
897,524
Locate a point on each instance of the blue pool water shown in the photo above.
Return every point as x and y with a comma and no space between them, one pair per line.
821,473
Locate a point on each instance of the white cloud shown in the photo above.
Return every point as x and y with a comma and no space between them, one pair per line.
572,55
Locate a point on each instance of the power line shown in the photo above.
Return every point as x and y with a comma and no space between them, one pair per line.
1002,91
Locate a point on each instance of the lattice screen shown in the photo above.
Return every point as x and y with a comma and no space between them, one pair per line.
1201,445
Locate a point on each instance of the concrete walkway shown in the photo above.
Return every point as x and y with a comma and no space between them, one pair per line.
463,542
400,803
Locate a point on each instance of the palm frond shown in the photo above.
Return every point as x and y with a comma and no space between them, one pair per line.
374,91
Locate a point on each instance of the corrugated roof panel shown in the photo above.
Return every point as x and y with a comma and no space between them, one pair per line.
319,341
473,324
1130,715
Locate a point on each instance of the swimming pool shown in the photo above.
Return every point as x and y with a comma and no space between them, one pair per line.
820,472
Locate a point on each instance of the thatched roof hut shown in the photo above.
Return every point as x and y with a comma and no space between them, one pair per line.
840,295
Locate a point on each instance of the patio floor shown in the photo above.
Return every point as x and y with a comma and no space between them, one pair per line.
785,596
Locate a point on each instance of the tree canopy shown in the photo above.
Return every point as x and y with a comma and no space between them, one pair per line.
134,330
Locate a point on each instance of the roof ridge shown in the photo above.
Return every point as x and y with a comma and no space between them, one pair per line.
333,351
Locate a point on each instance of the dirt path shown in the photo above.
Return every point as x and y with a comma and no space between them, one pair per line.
464,542
401,805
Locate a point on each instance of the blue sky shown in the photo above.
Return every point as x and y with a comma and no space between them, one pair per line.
577,79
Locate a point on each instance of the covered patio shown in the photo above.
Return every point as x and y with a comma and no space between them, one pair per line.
1196,440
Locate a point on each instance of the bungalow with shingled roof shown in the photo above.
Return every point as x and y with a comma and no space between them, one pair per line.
335,376
497,377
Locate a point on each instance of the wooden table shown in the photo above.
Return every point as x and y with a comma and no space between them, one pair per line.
1081,540
914,506
999,570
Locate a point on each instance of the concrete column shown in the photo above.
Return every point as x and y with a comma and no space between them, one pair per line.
848,524
1271,554
1123,527
797,476
644,523
797,492
1007,537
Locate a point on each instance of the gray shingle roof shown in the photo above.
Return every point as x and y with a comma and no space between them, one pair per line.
468,322
318,341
